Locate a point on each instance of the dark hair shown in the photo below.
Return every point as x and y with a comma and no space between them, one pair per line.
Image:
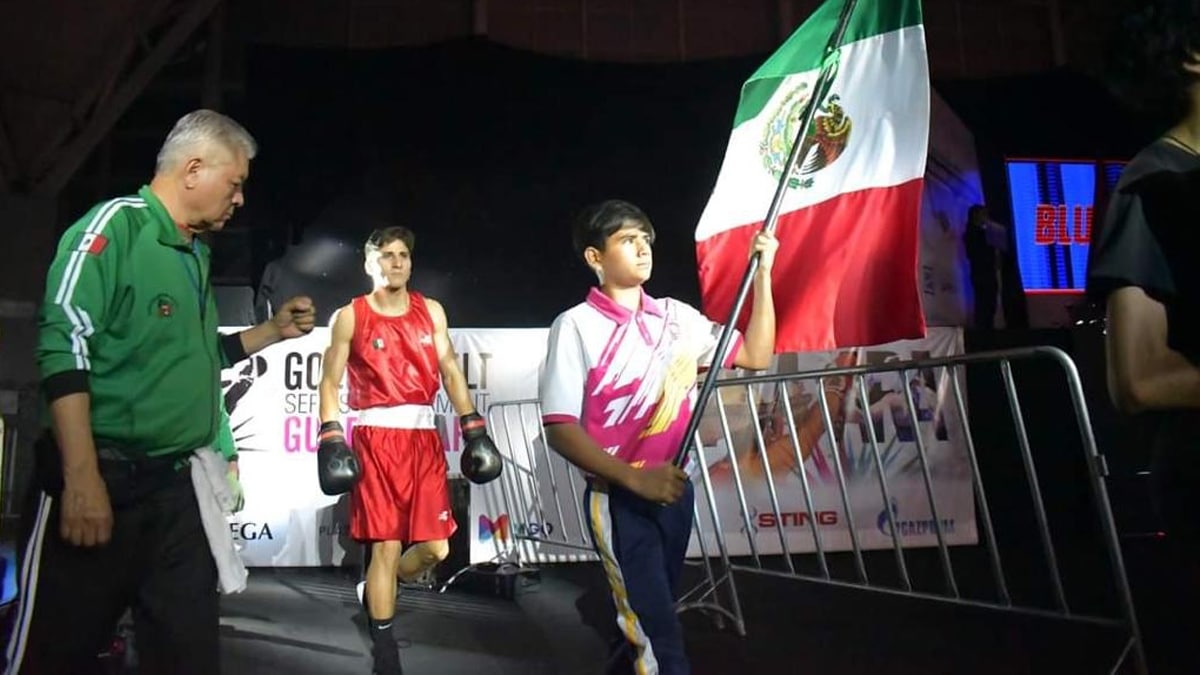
975,212
1147,53
596,223
386,235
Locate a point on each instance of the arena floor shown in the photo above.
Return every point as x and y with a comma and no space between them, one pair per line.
301,621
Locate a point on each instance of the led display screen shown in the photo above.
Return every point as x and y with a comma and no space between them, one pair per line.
1055,204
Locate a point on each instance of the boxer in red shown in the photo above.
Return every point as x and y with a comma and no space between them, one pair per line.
395,345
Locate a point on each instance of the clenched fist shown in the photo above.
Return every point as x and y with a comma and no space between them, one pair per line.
296,317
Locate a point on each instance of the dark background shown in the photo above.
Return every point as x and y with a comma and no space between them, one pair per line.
483,125
486,152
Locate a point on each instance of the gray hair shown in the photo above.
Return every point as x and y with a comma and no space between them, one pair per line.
199,127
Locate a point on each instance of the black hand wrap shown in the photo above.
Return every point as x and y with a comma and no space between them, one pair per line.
481,462
337,467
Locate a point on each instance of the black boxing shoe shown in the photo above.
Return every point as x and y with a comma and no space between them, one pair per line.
386,654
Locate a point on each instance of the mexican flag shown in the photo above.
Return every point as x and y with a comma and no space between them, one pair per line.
846,270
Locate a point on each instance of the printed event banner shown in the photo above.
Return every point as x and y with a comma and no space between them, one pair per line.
274,404
815,468
538,495
274,401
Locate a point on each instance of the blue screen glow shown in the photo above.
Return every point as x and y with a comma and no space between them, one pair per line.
1053,210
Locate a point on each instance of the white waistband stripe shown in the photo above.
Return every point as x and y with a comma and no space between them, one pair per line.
397,417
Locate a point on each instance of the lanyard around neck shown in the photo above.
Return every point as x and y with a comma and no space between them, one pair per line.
196,276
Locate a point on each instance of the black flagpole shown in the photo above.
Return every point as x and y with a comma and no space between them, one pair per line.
824,81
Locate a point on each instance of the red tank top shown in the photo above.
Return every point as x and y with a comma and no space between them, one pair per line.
392,359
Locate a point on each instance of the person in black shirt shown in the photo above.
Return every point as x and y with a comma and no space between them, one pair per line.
1152,365
1143,269
983,241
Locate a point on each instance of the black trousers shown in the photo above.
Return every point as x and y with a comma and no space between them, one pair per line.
985,301
158,563
1174,485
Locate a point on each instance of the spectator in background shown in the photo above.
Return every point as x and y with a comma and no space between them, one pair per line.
325,264
986,243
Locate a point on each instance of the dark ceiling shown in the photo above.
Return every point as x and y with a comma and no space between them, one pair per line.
70,72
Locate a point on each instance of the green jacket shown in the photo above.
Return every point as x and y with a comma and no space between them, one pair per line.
129,316
224,444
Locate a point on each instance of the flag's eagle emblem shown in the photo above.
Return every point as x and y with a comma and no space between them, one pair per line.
824,141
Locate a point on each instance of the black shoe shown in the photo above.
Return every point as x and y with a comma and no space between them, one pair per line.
386,654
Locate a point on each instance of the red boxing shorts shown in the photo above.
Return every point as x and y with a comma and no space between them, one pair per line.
402,494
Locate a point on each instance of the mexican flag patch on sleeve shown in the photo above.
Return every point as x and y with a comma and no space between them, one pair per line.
92,243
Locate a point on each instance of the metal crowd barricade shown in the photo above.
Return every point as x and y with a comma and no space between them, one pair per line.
536,485
723,588
539,486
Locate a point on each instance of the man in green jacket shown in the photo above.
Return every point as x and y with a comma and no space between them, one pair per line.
130,361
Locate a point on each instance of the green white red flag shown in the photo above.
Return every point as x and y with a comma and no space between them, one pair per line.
846,270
